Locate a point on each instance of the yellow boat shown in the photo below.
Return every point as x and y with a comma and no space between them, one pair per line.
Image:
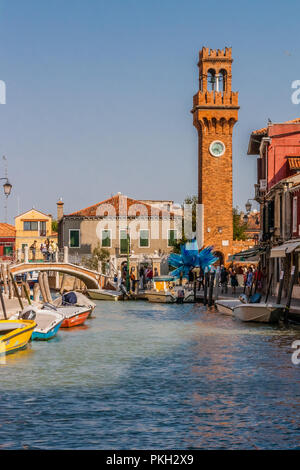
15,335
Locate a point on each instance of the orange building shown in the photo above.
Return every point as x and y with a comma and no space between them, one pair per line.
215,111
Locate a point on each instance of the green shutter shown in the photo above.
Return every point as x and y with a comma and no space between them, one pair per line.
106,238
172,238
74,238
123,242
144,238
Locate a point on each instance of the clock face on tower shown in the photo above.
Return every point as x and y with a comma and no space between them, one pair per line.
217,148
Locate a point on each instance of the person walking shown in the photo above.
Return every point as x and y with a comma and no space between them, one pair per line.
44,250
132,279
33,249
249,280
224,280
233,280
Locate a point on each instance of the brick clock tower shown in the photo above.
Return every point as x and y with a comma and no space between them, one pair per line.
215,111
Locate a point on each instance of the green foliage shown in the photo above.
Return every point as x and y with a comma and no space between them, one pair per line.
239,227
54,226
99,255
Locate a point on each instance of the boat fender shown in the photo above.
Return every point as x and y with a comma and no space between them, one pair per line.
243,298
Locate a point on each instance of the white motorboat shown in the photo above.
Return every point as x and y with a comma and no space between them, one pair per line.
165,297
104,294
262,313
226,306
47,322
81,301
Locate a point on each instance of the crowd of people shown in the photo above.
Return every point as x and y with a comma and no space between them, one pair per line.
48,250
144,278
228,277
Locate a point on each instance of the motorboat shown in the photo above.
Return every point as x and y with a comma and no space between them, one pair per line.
226,306
72,315
165,297
105,294
162,290
261,313
15,335
47,322
74,299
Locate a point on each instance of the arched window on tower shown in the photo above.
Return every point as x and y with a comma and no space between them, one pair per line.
211,80
222,80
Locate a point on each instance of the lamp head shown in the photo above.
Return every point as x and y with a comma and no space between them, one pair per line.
7,188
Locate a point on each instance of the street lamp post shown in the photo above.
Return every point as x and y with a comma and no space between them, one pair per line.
7,190
127,272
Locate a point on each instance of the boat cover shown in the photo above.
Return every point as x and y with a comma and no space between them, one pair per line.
70,298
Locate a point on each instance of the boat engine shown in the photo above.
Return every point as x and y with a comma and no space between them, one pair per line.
27,314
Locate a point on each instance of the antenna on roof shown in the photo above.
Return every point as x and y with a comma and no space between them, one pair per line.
5,199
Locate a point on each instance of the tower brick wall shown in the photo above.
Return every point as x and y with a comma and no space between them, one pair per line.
215,111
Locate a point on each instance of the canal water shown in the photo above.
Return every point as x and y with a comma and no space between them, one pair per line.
154,376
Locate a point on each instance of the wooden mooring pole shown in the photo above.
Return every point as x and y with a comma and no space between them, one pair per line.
4,278
17,291
3,305
290,292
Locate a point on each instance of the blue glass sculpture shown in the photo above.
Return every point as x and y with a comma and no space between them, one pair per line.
190,257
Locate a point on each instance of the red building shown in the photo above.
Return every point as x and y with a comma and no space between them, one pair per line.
7,241
278,192
279,148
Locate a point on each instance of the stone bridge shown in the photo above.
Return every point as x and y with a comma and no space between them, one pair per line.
92,279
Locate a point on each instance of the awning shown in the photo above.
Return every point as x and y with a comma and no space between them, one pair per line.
249,256
294,163
281,250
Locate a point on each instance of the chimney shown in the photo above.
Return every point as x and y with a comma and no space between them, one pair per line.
60,209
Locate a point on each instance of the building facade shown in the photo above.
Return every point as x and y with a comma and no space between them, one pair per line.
32,226
151,230
7,241
278,190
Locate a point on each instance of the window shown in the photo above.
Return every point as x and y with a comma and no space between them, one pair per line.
74,238
144,238
8,251
43,228
123,242
106,238
31,226
172,237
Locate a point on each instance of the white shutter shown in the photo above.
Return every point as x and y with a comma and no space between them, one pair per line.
295,221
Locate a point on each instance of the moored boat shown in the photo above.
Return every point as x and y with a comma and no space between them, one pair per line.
161,291
104,294
47,322
261,313
74,299
165,297
15,335
73,316
226,306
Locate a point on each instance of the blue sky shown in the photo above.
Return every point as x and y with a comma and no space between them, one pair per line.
99,93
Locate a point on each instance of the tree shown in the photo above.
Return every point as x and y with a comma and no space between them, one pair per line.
239,227
54,225
98,255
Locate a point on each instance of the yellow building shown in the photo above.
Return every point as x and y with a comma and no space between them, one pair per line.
32,226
